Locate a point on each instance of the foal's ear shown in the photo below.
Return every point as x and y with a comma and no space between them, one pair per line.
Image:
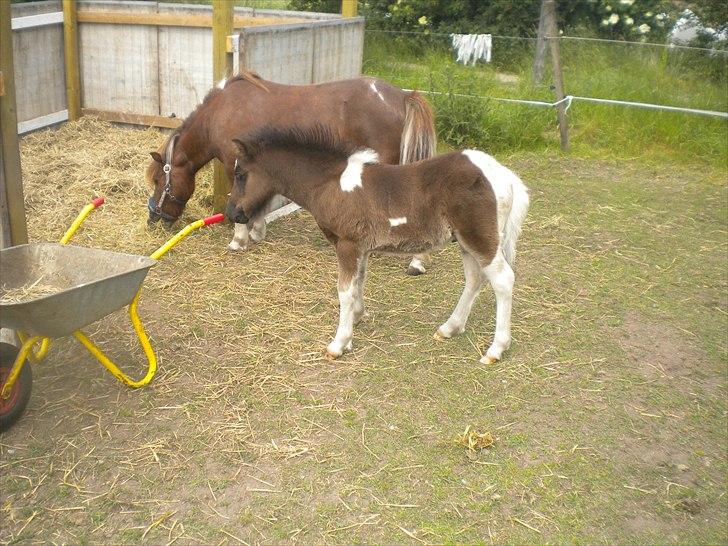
244,149
156,157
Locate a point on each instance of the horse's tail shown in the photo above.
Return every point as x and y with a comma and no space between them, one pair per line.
419,139
519,207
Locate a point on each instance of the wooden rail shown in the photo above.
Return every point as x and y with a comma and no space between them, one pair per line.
133,119
174,19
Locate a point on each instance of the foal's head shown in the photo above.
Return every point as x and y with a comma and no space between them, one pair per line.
172,177
273,157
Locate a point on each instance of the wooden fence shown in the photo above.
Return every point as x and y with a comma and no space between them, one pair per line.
149,63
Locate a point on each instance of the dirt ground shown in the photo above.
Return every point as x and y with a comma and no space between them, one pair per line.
608,412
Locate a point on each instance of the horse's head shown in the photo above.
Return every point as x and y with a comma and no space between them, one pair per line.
172,179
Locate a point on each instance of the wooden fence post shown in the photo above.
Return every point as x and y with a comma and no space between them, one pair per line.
12,206
222,27
70,52
349,8
555,44
541,44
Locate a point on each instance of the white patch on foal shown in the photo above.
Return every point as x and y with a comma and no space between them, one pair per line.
373,87
351,177
394,222
221,84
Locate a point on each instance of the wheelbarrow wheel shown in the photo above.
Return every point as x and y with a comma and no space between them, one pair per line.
12,408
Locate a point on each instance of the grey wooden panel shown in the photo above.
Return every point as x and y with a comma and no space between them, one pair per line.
338,51
39,75
119,65
282,54
34,8
185,69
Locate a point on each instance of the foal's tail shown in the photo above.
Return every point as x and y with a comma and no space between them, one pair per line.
419,139
519,207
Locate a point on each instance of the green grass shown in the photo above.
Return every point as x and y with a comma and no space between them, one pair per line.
622,72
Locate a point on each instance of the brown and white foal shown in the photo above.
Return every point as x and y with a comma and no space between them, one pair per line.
363,207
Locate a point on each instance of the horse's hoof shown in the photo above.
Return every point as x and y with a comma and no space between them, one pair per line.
414,271
488,359
439,336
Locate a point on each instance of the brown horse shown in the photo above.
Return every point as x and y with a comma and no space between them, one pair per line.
364,207
366,111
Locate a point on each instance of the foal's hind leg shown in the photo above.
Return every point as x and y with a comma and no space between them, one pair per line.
501,278
473,282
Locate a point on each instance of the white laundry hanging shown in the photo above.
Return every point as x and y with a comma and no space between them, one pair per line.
471,47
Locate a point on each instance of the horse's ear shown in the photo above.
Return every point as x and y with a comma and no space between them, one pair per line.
244,149
156,157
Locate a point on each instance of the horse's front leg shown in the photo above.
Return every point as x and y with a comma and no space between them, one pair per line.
349,297
246,234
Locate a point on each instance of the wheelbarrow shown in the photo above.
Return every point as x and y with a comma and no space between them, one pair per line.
80,286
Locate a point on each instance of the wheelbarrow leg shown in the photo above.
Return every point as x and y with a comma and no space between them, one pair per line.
36,356
25,350
107,363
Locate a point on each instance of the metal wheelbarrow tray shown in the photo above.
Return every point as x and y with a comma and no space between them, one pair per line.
80,286
91,283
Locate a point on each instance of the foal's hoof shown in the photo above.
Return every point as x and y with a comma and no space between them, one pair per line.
439,336
488,359
414,271
331,356
235,246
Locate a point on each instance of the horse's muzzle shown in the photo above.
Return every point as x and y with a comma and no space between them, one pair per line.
155,216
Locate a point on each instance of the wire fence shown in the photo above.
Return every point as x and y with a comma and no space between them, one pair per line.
670,63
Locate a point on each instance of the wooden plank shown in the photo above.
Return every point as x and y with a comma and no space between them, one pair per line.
338,50
185,69
70,50
174,19
40,20
40,84
120,69
283,54
133,119
12,186
222,27
42,121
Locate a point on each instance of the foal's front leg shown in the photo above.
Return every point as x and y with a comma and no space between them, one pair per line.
349,298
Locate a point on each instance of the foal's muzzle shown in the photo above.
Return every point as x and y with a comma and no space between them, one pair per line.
235,214
155,214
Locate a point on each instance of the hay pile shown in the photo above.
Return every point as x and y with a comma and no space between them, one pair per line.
64,169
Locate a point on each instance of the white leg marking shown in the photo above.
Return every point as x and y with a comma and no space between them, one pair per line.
417,265
241,238
473,283
351,177
342,340
501,278
221,84
394,222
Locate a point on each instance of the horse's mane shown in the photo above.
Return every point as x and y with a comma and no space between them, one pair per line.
245,75
316,138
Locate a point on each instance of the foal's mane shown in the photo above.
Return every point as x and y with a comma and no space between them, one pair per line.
316,138
249,76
